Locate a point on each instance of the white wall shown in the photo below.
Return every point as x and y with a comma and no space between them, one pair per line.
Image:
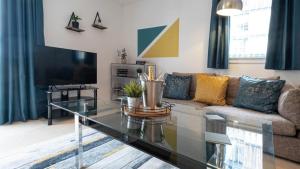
104,43
123,20
194,35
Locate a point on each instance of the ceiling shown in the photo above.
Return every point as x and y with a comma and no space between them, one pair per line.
127,1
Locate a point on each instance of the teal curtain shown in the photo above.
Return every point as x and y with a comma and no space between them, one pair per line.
284,36
218,50
21,23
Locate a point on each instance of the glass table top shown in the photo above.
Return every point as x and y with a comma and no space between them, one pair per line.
189,136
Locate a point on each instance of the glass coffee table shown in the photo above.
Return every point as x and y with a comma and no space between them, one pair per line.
187,138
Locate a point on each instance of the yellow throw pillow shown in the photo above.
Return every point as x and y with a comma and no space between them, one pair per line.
211,89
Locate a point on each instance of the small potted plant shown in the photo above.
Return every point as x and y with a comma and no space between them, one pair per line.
134,91
75,23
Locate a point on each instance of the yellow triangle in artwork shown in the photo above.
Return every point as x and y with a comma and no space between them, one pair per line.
167,44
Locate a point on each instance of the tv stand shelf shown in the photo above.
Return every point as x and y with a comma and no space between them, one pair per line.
64,96
73,98
71,88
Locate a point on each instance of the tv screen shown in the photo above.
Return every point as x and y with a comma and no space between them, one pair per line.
56,66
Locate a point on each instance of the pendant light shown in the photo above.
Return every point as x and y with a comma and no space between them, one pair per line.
229,7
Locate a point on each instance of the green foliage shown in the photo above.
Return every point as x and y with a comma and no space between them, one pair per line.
75,18
133,89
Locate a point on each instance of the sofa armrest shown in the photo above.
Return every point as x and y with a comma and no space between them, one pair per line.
289,106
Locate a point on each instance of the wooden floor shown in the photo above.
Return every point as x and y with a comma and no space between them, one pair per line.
19,135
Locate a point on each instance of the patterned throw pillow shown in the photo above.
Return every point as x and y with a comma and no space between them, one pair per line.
211,89
177,87
260,95
234,86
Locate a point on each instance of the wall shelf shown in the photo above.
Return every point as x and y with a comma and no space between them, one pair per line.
74,29
99,26
70,27
98,22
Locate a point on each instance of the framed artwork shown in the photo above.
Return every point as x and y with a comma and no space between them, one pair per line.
159,42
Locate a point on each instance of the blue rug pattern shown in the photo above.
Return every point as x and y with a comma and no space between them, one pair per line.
100,152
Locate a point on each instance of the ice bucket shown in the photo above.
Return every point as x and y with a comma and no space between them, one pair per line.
152,132
152,94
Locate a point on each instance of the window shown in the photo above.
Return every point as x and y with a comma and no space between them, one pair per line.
249,30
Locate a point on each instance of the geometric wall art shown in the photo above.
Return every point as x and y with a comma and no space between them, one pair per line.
161,41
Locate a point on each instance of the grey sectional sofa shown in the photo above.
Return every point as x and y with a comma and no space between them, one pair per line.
286,127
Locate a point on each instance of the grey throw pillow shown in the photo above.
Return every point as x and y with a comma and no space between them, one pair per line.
260,95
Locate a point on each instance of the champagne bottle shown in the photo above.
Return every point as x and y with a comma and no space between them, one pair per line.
151,71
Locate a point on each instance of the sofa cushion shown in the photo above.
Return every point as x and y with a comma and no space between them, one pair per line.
289,106
281,126
234,86
260,95
177,87
232,89
186,102
194,80
211,89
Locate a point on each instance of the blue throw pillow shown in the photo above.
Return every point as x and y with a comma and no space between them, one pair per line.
259,95
177,87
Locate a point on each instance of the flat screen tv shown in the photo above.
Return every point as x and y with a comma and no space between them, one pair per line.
56,66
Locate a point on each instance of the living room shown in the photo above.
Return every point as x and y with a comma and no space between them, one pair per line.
206,63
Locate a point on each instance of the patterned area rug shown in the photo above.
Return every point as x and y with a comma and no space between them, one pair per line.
100,151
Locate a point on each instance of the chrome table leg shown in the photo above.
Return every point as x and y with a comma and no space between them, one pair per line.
220,152
78,138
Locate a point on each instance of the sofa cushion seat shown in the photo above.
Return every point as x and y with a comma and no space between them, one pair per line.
197,105
281,126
